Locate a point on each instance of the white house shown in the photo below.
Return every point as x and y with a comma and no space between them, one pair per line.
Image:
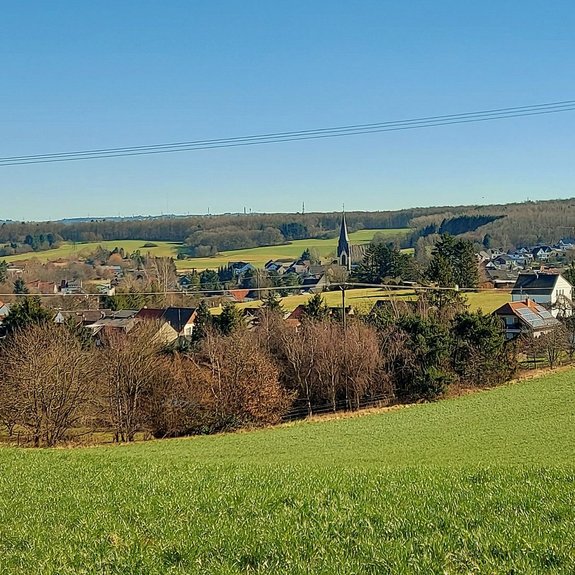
552,291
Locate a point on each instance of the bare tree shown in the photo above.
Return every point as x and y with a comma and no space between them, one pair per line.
47,384
244,382
362,361
130,368
553,344
299,349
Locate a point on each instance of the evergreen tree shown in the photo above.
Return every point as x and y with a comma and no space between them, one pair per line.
453,263
229,320
203,322
210,281
384,261
24,312
3,271
20,286
315,308
273,302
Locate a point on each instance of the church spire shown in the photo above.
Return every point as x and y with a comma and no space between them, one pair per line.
343,247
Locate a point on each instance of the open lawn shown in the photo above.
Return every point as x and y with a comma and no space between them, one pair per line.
259,256
484,483
66,250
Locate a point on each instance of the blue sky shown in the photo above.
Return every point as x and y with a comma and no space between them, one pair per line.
82,75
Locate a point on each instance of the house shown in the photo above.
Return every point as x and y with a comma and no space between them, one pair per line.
501,278
505,261
81,317
315,284
238,295
4,311
525,317
106,289
71,287
299,267
238,269
295,317
551,290
541,252
181,319
277,266
111,324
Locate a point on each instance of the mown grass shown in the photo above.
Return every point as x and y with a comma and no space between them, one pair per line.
484,483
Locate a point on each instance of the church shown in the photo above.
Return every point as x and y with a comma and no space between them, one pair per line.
348,255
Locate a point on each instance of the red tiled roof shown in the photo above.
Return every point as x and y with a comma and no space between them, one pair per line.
239,294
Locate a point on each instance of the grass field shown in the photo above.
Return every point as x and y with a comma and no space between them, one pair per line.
259,256
484,483
363,299
66,250
256,256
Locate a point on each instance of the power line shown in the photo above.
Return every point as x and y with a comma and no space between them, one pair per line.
386,288
281,137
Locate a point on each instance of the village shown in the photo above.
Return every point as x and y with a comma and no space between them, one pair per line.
532,275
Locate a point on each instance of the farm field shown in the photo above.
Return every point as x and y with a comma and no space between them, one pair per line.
363,299
163,249
259,256
256,256
483,483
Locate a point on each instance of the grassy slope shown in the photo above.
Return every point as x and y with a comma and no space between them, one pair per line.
258,256
482,484
67,249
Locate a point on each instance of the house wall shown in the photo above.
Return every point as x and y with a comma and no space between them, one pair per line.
188,329
565,289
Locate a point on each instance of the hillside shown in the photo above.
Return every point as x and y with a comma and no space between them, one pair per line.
508,225
481,483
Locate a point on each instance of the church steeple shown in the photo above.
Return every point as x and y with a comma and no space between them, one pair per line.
343,247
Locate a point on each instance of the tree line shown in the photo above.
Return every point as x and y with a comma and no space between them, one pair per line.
508,226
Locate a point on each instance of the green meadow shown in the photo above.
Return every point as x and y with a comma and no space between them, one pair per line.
482,483
68,250
362,299
256,256
259,256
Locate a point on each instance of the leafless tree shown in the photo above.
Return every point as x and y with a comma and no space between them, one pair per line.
130,368
47,384
243,381
361,361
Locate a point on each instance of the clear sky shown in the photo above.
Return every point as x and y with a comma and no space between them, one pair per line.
78,75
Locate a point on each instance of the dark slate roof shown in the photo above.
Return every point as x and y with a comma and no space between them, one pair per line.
538,283
343,241
178,317
122,313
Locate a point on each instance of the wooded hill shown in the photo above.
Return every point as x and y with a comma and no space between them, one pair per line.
508,225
